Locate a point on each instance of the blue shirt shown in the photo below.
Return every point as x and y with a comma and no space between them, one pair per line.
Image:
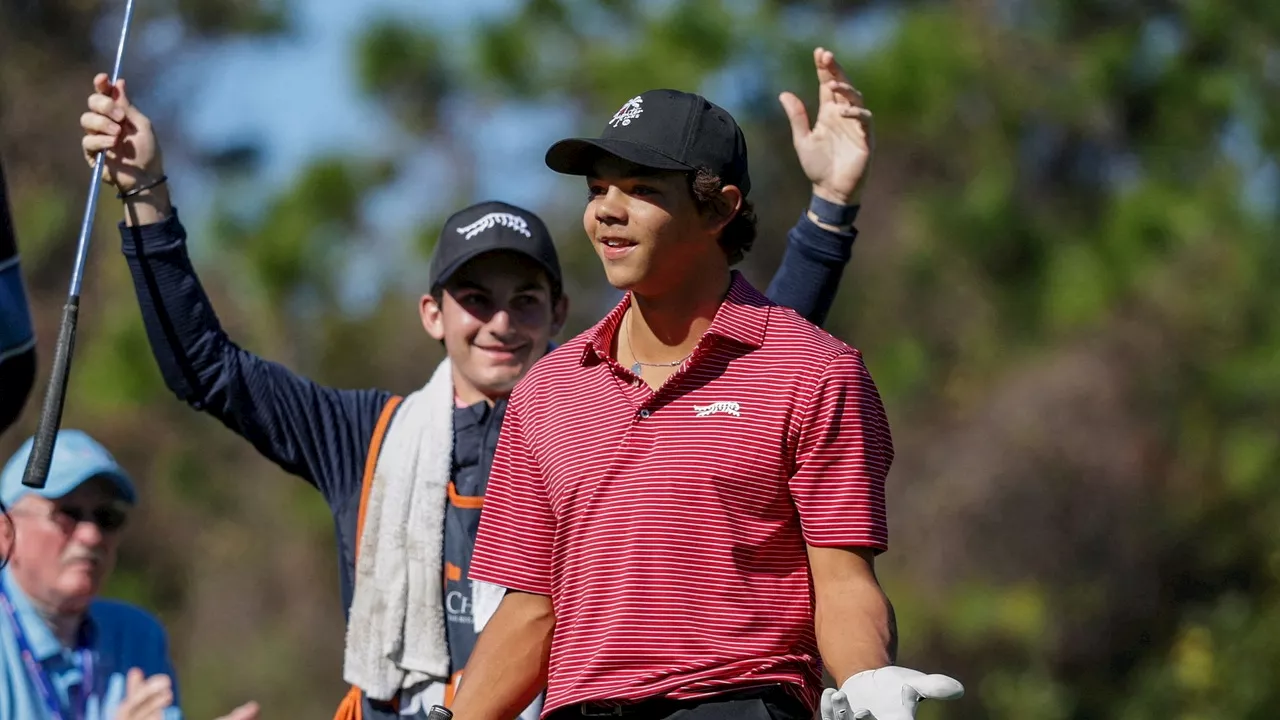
120,637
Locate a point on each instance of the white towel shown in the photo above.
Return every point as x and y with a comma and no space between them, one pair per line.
396,630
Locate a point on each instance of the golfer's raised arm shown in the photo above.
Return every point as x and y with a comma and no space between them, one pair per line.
835,153
310,430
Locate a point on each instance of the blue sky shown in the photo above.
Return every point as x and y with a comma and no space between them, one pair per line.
297,97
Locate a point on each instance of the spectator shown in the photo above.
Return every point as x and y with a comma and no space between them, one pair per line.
65,652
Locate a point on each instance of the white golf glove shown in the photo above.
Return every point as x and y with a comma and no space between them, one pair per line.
890,693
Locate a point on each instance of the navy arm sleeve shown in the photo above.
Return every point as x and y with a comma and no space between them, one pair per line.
17,337
809,276
319,433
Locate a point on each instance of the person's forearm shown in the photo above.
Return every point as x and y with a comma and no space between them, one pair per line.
187,340
856,629
509,665
852,617
809,276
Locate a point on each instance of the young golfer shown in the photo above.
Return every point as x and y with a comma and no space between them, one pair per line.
413,469
688,498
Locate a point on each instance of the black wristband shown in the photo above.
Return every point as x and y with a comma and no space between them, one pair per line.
829,213
142,188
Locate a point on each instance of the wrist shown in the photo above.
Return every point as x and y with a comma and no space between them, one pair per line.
837,198
149,206
830,214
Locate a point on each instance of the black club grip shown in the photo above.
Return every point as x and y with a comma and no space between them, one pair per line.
54,396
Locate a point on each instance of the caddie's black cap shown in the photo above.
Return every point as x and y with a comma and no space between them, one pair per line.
664,130
489,227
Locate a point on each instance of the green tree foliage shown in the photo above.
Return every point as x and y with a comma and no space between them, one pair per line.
1063,288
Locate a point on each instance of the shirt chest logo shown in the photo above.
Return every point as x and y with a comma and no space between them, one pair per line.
728,408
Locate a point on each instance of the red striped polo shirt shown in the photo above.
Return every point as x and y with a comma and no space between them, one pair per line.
669,527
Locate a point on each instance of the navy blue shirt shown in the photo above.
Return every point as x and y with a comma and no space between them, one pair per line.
17,339
322,434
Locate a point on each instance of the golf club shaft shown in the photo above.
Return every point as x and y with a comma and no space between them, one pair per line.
91,204
37,471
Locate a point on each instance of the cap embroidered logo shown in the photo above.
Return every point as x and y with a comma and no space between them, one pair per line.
515,222
628,112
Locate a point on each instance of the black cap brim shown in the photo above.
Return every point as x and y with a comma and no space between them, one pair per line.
445,273
578,156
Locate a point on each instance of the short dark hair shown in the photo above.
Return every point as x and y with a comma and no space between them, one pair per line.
740,234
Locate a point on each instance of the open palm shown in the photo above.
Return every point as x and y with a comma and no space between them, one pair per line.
836,151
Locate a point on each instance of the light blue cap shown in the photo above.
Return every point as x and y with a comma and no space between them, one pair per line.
76,459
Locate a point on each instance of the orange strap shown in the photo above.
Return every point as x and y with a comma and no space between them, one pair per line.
370,463
350,707
466,502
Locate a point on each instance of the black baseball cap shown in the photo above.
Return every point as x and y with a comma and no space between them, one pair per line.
490,227
663,130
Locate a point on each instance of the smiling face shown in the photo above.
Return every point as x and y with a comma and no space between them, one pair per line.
647,229
496,316
64,549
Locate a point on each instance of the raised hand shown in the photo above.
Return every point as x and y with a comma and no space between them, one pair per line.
836,151
113,124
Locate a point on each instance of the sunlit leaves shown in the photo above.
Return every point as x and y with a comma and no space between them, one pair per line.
406,69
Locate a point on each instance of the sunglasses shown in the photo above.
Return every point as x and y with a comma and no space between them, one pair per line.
108,518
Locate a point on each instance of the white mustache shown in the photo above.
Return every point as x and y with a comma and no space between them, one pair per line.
76,554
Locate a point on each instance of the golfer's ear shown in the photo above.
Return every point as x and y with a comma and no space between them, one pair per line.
432,316
725,206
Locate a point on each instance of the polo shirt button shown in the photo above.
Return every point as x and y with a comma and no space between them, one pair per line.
644,414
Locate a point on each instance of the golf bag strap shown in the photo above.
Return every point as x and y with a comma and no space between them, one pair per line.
350,707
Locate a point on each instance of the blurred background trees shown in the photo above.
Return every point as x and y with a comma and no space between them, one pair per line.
1062,286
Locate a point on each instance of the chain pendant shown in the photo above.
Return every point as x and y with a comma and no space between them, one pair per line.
635,369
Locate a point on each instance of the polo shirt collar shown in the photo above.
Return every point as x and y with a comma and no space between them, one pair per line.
741,318
43,642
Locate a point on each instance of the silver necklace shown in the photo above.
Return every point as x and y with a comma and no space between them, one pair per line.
636,366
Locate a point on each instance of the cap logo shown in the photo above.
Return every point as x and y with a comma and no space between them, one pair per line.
515,222
628,112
